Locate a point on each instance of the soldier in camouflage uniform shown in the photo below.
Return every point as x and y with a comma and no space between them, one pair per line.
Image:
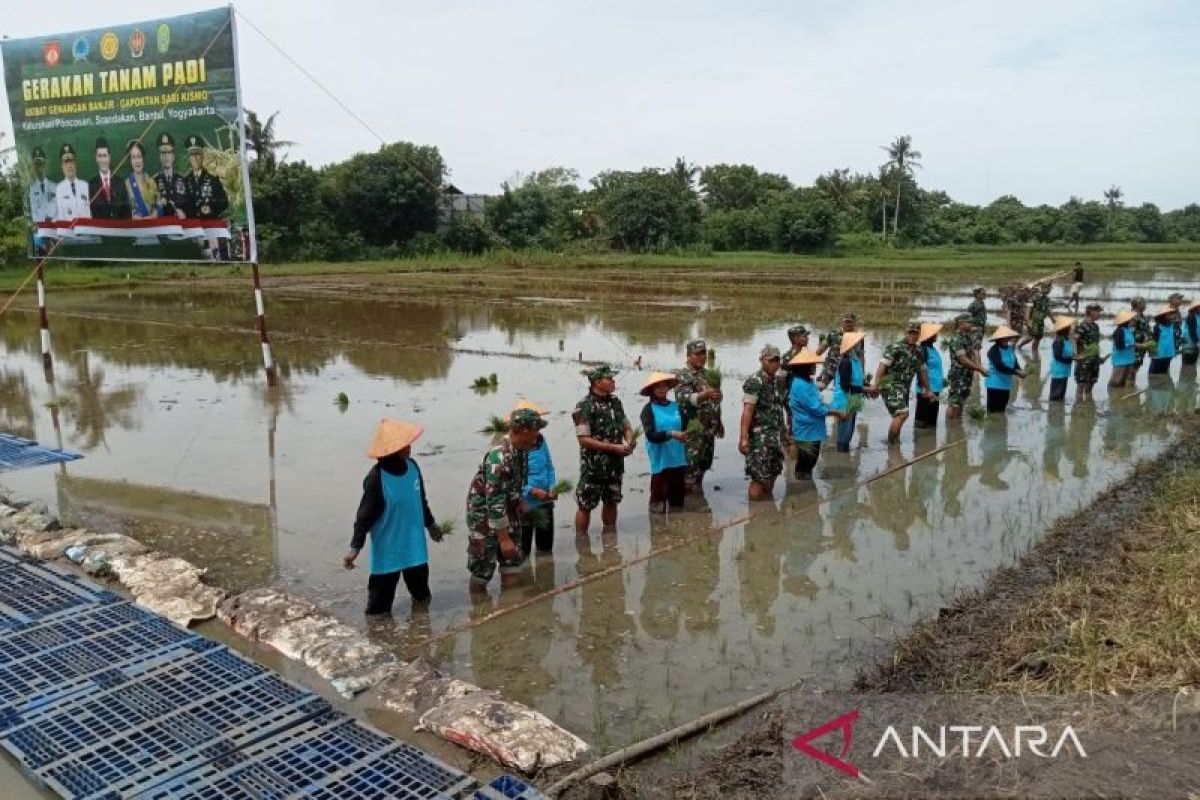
1142,330
964,362
494,506
797,341
1087,364
1014,307
605,441
762,427
899,364
698,400
1039,312
978,311
830,347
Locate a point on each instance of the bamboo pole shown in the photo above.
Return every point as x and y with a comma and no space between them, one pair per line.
659,741
595,576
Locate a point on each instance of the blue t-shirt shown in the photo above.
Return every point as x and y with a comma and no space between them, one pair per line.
1165,335
1123,354
808,411
841,399
540,473
671,453
933,363
398,536
1061,367
997,378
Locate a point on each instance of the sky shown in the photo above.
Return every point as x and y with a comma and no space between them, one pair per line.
1042,100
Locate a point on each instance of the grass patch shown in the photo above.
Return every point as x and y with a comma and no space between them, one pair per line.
496,424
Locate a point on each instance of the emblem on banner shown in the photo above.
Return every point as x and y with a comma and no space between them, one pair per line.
164,37
80,49
109,45
137,43
52,52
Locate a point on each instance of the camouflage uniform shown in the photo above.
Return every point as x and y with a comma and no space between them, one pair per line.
600,474
978,311
903,363
1087,370
958,379
1142,332
833,354
1038,314
764,462
1014,303
494,503
699,448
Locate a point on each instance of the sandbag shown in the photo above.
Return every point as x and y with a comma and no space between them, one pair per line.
512,733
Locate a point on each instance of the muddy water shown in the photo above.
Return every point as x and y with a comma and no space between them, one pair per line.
187,449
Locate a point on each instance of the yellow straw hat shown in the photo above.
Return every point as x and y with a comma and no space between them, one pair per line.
1164,311
1003,332
532,406
1195,304
929,330
1063,322
655,378
850,339
1123,317
392,436
805,356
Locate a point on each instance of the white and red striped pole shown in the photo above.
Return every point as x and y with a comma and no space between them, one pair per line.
268,364
43,320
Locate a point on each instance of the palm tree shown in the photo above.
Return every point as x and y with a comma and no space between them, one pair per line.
1112,196
838,188
901,158
684,172
260,137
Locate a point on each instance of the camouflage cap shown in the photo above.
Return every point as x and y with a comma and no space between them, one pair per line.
525,418
1175,296
1138,302
697,346
912,326
797,330
600,373
1098,307
979,290
769,351
850,316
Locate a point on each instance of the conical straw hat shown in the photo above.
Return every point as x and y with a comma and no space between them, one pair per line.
1003,332
928,330
658,377
532,406
1164,311
1123,317
1063,322
849,340
392,436
805,356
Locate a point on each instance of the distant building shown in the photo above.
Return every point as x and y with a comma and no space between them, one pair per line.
456,206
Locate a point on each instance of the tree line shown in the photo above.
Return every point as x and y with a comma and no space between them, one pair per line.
386,204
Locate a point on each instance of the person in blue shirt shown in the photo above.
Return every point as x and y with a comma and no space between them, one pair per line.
663,423
848,387
1003,367
1166,333
1191,335
395,511
808,412
1124,353
538,492
1062,358
927,410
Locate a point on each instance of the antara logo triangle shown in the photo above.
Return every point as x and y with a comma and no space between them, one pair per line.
844,723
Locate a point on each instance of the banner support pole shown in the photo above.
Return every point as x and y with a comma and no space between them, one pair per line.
43,319
268,363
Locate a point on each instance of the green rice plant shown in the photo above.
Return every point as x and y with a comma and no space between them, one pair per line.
977,413
694,428
637,434
563,487
712,357
481,383
854,404
712,376
341,401
493,380
445,526
1091,351
496,424
808,448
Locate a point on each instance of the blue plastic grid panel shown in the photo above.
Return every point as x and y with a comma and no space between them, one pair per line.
241,774
10,557
401,771
18,453
29,593
36,687
511,788
32,639
173,720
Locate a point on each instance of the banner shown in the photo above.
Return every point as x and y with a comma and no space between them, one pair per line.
129,141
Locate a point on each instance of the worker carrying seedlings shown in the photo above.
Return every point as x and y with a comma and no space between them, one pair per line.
808,412
395,511
1002,366
663,423
540,491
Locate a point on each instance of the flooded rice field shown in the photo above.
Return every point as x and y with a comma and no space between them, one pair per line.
188,449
